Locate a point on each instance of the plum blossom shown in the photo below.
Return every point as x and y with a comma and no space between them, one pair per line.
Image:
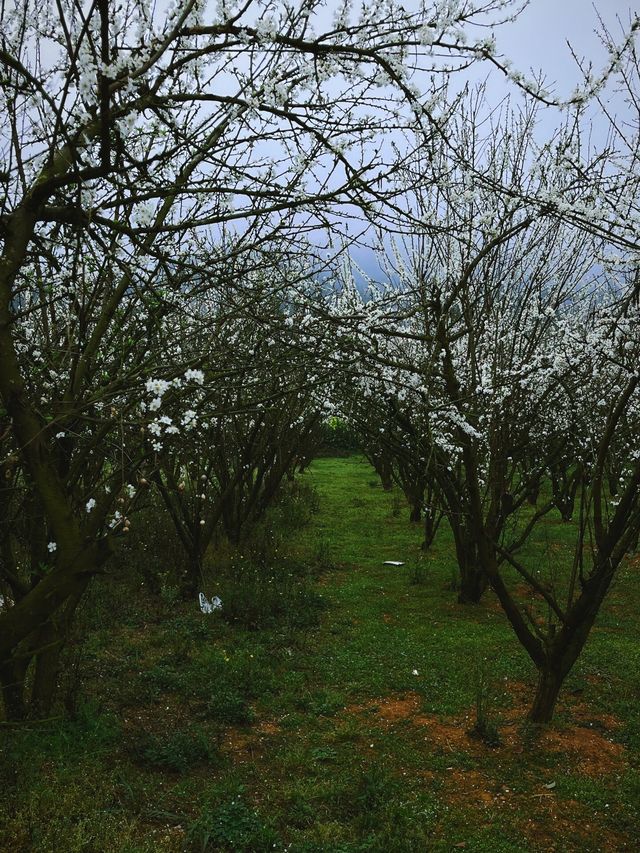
157,386
196,376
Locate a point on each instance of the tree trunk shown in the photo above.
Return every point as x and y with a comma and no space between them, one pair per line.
430,528
473,583
383,470
12,677
51,603
549,683
192,578
472,579
52,639
47,669
533,492
416,513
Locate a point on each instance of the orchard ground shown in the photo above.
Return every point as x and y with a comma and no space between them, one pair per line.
332,705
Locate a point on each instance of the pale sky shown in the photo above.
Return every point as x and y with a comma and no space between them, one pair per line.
538,39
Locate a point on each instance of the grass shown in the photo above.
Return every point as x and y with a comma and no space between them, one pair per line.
330,710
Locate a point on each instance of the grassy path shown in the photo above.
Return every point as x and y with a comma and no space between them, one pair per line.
343,730
408,664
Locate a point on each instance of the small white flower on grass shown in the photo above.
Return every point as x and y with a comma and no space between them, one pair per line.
51,547
90,504
415,672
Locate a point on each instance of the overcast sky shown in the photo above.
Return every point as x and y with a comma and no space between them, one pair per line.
538,39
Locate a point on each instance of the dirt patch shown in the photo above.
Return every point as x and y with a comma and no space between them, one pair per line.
268,727
548,823
390,709
448,737
587,737
241,745
592,753
245,744
598,720
393,709
587,741
161,718
469,787
407,708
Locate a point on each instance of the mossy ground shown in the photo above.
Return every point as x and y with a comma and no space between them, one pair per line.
340,724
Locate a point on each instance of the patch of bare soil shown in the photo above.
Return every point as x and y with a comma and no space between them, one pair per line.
600,720
591,752
245,744
587,740
241,745
470,787
587,743
391,709
267,727
546,822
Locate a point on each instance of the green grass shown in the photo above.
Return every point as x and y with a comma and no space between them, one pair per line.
295,720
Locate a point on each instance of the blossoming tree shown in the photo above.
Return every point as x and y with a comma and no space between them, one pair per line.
132,155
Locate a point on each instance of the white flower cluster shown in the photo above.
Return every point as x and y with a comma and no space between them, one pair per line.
190,385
